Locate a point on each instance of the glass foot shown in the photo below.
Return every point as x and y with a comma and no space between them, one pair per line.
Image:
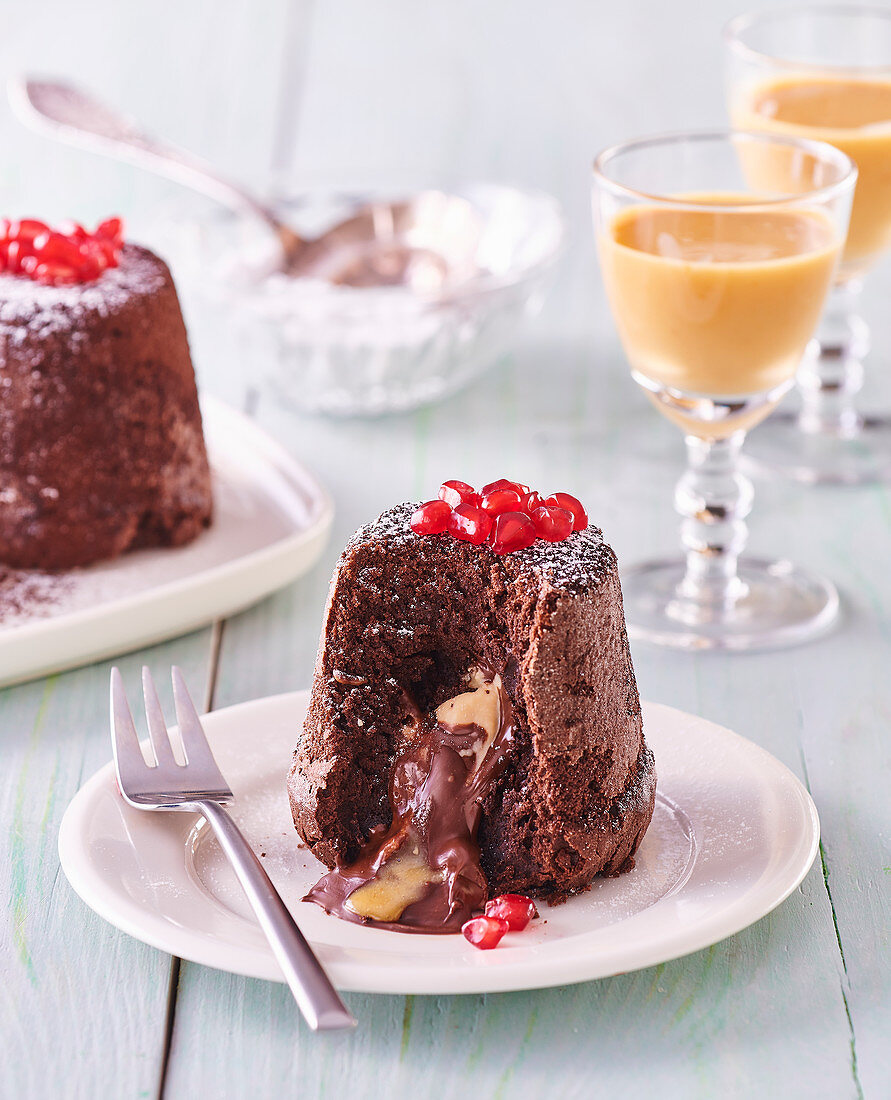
776,604
780,449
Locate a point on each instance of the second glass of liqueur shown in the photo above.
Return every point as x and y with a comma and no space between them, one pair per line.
716,287
824,72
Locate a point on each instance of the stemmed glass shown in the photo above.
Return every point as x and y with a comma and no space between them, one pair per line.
824,72
716,285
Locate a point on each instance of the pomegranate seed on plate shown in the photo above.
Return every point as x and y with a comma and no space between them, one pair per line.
516,909
470,524
513,531
458,492
573,505
497,501
484,932
430,518
552,524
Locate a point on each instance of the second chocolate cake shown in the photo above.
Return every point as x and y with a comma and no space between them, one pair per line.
474,727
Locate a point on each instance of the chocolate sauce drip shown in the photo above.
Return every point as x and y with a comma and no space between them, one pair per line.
437,786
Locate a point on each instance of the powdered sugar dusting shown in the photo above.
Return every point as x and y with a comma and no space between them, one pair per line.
27,306
28,595
580,561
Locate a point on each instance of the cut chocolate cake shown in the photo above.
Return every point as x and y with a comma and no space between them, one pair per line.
101,445
474,726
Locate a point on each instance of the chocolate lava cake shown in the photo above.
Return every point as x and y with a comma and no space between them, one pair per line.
101,445
566,787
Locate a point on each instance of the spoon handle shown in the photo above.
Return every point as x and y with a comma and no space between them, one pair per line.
66,113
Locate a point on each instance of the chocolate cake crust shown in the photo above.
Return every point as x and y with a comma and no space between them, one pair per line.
101,445
407,616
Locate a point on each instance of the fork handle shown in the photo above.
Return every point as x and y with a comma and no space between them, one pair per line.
319,1001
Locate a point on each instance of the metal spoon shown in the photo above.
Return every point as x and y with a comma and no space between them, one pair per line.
370,248
62,111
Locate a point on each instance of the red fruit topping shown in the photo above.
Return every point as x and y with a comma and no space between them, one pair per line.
112,229
74,230
530,501
484,932
54,248
515,909
513,531
56,274
15,253
501,483
431,518
571,504
501,500
470,524
26,229
552,524
458,492
59,257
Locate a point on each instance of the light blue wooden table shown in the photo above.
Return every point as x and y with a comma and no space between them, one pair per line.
399,93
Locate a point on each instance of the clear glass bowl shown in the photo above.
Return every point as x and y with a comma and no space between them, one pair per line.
349,351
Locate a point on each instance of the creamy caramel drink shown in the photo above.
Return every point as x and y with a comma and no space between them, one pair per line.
716,287
717,300
851,113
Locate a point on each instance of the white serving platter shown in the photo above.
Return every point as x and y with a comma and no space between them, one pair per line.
272,520
733,834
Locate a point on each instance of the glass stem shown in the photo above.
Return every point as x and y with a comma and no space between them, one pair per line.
831,374
714,499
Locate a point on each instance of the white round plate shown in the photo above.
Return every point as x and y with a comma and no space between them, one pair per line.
271,522
733,834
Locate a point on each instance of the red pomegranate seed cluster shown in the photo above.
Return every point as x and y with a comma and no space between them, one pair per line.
59,257
507,913
506,515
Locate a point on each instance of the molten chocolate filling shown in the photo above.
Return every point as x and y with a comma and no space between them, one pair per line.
423,874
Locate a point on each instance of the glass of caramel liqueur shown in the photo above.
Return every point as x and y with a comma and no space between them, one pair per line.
824,73
716,284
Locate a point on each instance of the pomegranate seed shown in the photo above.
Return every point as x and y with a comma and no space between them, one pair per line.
571,504
15,252
431,518
458,492
500,500
501,483
90,266
112,229
515,909
513,531
28,264
73,230
53,247
552,524
484,932
26,229
54,274
530,501
4,229
470,524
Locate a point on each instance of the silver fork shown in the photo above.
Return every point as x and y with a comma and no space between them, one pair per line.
198,786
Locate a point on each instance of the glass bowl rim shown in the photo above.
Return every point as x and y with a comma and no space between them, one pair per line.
735,27
821,149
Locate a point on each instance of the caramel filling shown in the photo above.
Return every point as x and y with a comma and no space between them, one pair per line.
423,873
